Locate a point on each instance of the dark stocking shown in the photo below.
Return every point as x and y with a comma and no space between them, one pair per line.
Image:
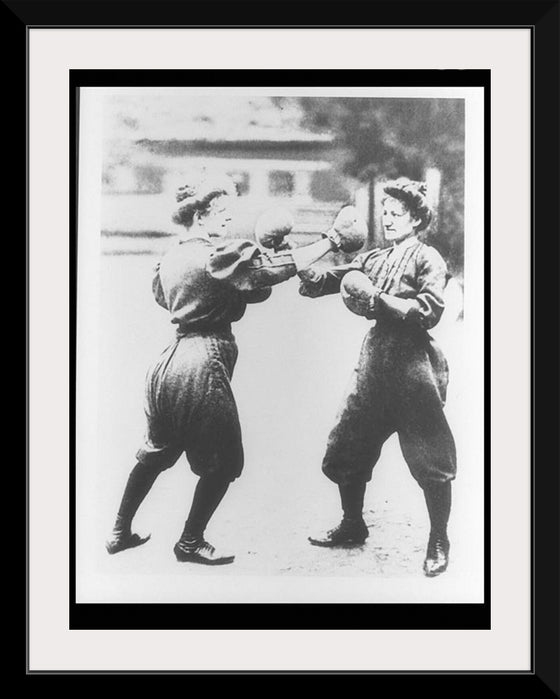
438,500
140,481
352,499
208,494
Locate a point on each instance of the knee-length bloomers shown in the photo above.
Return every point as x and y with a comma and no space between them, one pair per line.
400,382
189,404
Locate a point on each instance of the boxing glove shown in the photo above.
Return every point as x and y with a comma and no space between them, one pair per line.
359,294
349,230
272,227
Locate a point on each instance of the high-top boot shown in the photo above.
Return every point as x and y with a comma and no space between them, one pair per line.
191,547
139,483
438,500
352,530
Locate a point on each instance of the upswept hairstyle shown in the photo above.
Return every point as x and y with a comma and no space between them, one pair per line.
195,198
413,196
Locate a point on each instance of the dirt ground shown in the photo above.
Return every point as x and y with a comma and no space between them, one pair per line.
296,355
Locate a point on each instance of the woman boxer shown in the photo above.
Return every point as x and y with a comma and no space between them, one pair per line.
205,284
399,384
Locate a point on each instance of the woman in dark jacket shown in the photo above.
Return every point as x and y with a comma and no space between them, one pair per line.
399,384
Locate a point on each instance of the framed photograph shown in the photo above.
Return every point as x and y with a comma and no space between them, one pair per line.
293,391
293,179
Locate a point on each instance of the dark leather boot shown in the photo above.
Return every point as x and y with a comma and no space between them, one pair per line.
122,538
192,547
437,556
140,481
438,501
350,532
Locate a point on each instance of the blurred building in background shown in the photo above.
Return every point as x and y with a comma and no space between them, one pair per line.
155,142
309,154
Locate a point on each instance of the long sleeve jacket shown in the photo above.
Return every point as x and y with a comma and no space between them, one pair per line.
206,286
411,278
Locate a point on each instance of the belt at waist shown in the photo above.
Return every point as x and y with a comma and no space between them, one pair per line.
205,329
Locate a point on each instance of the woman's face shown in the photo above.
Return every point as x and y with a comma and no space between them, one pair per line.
217,218
398,224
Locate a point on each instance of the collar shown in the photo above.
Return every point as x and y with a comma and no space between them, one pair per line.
405,244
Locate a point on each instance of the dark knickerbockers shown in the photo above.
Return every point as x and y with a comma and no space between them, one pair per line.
189,402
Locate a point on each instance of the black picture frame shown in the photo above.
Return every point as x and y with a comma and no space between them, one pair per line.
542,19
267,615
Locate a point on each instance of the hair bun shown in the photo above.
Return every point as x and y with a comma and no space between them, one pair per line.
204,187
196,196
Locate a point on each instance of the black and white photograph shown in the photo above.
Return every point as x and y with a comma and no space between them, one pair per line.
280,348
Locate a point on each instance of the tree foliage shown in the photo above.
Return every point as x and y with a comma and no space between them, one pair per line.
394,137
